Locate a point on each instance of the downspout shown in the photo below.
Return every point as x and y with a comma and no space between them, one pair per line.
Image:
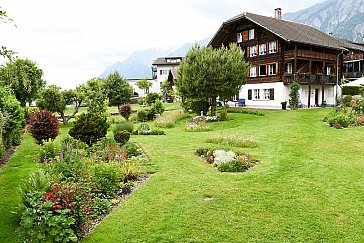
337,78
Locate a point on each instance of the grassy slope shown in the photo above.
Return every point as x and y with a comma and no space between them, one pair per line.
18,168
308,186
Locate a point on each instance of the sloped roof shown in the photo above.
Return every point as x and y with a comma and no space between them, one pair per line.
287,30
352,45
163,61
174,72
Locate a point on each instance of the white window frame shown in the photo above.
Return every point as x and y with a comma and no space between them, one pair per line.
253,71
266,94
253,51
262,49
239,37
289,68
256,94
251,34
163,72
272,69
272,47
328,70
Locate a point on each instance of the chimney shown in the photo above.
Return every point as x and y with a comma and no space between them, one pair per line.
278,13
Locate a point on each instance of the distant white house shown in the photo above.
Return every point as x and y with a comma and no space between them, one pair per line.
165,68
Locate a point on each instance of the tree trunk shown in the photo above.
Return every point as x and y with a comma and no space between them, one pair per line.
213,106
64,118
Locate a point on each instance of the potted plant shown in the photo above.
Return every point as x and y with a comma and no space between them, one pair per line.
284,105
323,105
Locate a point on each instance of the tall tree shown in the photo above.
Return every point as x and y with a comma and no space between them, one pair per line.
54,99
118,90
95,95
208,73
24,78
166,89
144,84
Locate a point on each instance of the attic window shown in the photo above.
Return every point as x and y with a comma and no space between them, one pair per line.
251,34
168,60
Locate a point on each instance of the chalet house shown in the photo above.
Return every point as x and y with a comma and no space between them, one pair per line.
280,52
165,68
354,61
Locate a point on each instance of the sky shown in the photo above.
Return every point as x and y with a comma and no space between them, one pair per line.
76,40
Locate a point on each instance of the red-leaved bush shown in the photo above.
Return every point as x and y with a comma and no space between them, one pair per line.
125,111
43,125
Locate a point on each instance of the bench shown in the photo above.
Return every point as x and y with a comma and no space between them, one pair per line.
240,102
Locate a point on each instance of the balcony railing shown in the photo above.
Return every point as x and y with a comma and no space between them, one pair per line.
317,79
354,74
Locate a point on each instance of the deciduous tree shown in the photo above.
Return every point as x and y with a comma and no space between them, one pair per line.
208,73
144,84
118,90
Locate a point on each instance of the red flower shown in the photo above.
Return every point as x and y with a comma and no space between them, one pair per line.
83,227
71,213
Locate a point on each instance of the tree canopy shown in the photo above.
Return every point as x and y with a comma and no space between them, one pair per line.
24,78
144,84
95,95
208,73
118,90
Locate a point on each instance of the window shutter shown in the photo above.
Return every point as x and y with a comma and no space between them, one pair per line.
271,95
249,94
246,35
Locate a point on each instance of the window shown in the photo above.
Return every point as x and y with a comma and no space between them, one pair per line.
239,37
328,70
251,34
163,72
272,69
262,70
262,49
266,93
256,94
253,71
253,51
289,68
272,48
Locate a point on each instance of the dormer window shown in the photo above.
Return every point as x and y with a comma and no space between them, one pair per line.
272,48
253,51
239,38
251,34
262,49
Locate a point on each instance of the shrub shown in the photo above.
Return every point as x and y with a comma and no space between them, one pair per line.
294,95
158,107
132,150
12,121
107,177
151,114
125,111
143,127
130,169
201,151
30,111
351,90
233,166
200,105
235,140
347,100
89,128
343,120
62,213
101,206
48,152
223,115
107,150
157,132
122,137
151,98
43,126
124,126
142,116
245,111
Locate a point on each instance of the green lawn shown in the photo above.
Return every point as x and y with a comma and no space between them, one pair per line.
307,187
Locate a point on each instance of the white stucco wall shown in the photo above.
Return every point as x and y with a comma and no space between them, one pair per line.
280,94
329,94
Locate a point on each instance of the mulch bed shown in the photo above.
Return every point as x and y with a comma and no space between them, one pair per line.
8,155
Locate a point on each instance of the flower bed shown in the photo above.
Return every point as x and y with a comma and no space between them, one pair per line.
227,161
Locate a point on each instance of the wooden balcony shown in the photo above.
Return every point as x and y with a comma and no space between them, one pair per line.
306,54
314,79
354,74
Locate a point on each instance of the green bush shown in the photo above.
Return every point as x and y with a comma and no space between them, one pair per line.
101,206
151,114
43,125
223,115
347,100
233,166
107,178
89,128
158,107
142,116
122,137
157,132
351,90
124,126
132,150
151,98
48,152
12,121
342,120
200,105
130,169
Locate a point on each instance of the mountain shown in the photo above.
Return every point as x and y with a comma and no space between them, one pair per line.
138,65
343,18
